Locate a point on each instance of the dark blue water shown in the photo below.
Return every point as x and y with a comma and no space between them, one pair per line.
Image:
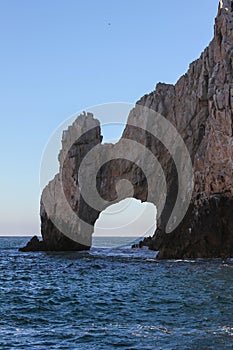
113,299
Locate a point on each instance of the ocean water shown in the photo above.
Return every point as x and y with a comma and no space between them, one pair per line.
112,298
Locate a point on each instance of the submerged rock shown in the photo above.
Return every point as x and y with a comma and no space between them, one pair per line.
200,106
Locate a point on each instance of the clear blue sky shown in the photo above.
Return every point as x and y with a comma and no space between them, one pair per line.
59,57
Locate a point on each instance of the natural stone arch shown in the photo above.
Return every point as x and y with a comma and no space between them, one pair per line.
200,107
93,176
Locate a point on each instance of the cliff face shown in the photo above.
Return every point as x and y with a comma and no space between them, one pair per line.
200,107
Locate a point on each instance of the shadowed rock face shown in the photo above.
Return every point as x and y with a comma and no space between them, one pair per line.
200,106
205,232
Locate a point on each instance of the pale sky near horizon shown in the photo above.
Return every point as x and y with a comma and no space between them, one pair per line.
61,57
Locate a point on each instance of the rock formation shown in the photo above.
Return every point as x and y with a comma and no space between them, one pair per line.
200,107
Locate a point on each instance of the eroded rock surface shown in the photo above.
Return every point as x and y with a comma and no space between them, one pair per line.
200,106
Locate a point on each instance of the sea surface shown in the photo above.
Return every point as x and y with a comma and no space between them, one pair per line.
112,298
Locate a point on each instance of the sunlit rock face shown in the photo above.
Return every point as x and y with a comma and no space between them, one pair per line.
93,176
200,107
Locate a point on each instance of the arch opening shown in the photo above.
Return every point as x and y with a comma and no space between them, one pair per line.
124,223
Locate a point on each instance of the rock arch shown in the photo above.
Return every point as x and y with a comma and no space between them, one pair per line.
200,107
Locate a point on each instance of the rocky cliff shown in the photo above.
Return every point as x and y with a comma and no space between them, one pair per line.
200,107
203,110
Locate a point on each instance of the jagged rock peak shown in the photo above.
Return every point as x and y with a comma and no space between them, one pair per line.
226,5
223,29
